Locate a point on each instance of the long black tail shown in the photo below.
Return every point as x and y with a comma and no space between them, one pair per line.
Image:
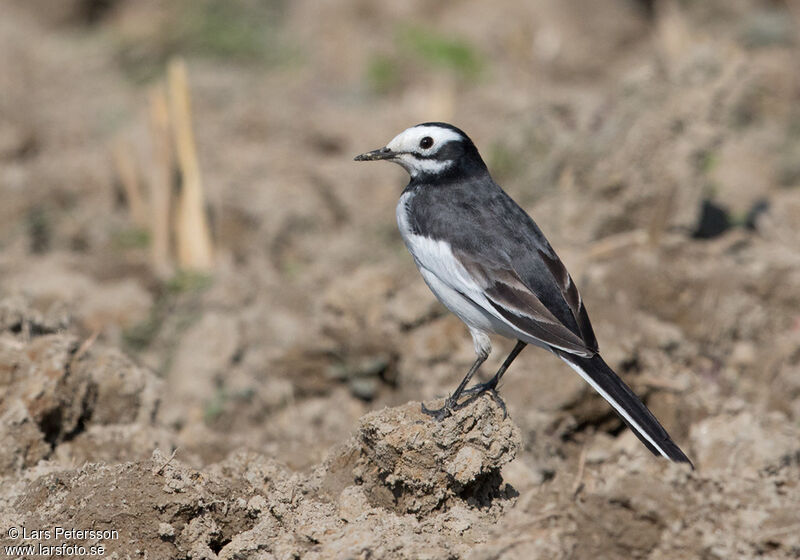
625,402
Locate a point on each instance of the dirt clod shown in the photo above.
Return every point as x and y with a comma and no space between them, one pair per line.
410,463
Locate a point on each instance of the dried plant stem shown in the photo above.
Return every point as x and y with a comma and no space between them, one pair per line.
192,234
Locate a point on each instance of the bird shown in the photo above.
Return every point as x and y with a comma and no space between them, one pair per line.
489,263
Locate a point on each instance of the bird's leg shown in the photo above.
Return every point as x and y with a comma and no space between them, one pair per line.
491,385
452,400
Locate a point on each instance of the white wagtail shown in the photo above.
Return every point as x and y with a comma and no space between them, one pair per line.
490,264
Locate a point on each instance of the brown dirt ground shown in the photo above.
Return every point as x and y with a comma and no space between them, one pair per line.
261,412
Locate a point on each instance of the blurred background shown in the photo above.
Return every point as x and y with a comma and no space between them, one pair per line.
177,188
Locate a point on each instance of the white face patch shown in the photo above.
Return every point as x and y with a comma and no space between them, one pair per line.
415,166
407,143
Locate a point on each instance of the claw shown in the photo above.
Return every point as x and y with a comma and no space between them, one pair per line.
500,402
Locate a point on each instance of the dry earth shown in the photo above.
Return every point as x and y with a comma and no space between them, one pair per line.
271,409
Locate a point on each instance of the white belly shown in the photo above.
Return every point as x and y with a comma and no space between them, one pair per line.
465,309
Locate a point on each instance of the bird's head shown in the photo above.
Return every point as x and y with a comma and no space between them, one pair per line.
430,150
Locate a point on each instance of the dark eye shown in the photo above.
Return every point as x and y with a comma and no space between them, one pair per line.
426,143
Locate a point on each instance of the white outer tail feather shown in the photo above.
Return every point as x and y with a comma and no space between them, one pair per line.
618,407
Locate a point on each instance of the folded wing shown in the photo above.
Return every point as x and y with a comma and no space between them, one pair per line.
555,316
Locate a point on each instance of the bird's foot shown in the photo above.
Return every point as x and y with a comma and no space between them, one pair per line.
450,405
440,414
481,388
